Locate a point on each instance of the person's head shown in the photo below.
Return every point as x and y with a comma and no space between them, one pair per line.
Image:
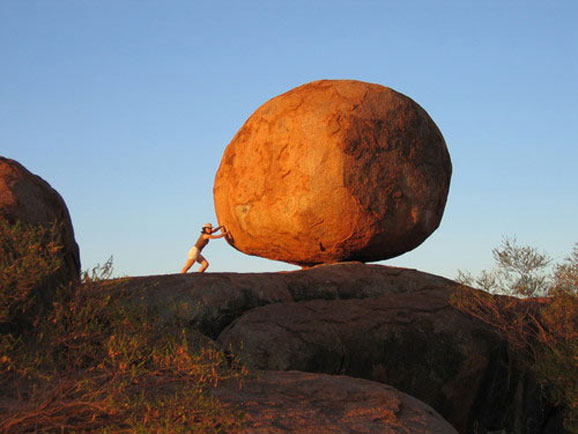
207,228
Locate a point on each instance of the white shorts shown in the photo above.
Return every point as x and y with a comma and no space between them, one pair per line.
195,255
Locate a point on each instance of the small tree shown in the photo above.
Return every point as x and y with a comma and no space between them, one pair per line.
566,275
520,271
544,333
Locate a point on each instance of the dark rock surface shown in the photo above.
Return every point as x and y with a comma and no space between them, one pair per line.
391,325
331,171
299,402
213,300
415,341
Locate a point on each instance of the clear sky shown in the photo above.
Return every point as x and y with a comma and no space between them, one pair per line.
125,107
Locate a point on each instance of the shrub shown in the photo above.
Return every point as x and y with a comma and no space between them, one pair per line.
28,260
543,331
519,270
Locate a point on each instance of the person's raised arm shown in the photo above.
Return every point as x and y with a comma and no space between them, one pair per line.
213,237
221,235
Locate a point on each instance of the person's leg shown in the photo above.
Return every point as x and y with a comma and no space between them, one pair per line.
188,265
192,258
204,263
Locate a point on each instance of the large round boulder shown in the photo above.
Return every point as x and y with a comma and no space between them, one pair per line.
27,198
334,170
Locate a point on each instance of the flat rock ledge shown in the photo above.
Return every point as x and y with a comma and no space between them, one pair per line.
212,301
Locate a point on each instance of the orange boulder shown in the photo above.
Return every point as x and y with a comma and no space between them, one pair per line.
334,170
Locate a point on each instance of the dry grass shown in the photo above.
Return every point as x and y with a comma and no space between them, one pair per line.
88,363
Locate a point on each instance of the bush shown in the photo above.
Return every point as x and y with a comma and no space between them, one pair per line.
519,270
28,260
92,364
543,331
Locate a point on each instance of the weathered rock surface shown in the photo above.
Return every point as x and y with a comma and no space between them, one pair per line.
414,341
389,325
334,170
299,402
27,198
213,300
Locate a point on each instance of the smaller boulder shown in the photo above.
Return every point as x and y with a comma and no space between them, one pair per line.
28,199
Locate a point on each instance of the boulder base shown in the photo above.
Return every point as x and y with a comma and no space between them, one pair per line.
334,170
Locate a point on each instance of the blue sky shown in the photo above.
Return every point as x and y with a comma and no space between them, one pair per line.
125,107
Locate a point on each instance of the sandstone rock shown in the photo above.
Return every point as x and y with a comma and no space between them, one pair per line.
416,342
298,402
334,170
28,198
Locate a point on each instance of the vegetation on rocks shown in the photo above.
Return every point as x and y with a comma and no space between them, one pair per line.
539,317
28,258
103,356
88,363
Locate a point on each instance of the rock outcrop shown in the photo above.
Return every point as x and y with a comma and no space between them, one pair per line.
299,402
28,198
334,170
390,325
28,202
414,341
212,301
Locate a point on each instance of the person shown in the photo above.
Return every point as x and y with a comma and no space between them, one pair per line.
195,252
